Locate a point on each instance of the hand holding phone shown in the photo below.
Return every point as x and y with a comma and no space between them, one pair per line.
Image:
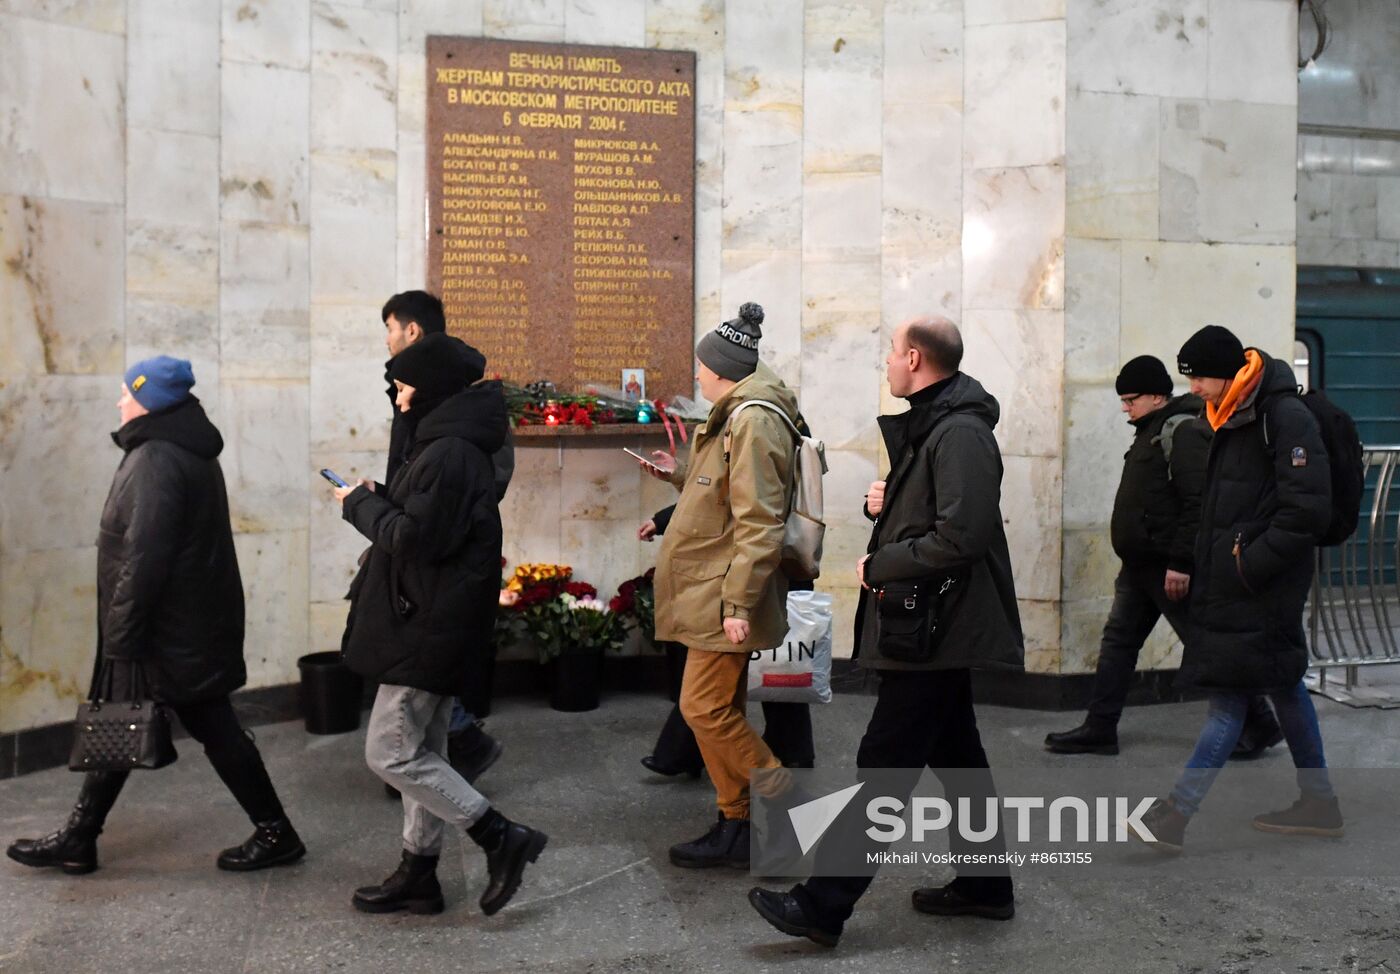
660,464
333,477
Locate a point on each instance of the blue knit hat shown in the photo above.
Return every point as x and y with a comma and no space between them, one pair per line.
161,382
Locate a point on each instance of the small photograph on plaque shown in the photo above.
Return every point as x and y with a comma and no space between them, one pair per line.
634,384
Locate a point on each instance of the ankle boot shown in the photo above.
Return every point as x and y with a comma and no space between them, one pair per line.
508,847
726,844
1087,738
73,848
412,887
273,843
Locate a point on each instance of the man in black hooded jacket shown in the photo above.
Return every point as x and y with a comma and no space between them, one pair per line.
433,577
170,608
1155,517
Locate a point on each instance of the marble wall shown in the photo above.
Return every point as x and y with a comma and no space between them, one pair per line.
241,181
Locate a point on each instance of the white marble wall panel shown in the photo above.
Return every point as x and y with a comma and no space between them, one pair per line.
921,179
354,78
1170,290
840,383
275,571
849,475
762,180
1030,507
1096,437
1388,208
1353,207
1253,48
54,442
1014,95
267,32
1013,11
56,81
335,545
108,16
912,286
172,58
1092,271
763,49
923,56
349,409
263,301
1090,565
530,520
1375,157
1013,238
842,86
60,287
602,553
410,170
171,259
524,20
420,18
1314,204
1112,170
265,144
841,214
265,457
48,632
172,177
619,22
773,279
1018,357
1081,631
1143,47
1227,172
1318,153
353,250
1347,253
326,625
599,483
1040,628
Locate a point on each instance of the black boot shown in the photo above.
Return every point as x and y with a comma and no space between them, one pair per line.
784,913
963,899
726,844
73,848
1087,738
508,847
471,751
273,843
412,887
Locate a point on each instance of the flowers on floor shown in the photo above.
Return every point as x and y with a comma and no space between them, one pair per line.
543,605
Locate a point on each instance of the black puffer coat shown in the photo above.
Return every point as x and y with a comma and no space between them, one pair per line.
427,592
942,513
1158,507
168,588
1268,500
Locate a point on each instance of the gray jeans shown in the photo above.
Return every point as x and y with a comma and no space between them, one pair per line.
407,747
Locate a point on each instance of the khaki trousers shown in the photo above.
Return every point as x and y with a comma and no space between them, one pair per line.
712,702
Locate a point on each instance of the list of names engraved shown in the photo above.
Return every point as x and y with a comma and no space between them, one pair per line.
561,208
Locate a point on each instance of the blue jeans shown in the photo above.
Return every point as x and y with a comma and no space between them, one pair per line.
1222,730
462,718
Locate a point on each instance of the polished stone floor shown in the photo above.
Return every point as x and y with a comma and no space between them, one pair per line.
604,897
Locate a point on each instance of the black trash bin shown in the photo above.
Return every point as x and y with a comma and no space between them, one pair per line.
330,694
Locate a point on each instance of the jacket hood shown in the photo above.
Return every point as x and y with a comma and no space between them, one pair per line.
763,384
477,414
185,425
964,395
472,360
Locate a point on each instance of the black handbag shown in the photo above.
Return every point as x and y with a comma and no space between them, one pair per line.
912,617
121,735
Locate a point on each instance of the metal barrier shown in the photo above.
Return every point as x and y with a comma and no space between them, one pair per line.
1354,612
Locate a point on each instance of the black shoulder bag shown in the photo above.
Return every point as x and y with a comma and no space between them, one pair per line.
112,735
912,616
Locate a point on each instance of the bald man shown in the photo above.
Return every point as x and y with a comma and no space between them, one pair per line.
938,557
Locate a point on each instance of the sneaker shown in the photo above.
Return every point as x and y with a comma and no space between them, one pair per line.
1167,828
1087,738
1306,816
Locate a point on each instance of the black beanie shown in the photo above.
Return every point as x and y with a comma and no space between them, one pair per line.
1144,375
472,359
434,366
731,350
1211,353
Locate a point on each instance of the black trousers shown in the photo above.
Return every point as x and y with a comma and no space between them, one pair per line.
787,731
229,748
921,720
1139,600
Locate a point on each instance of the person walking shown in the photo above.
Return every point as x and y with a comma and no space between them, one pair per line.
170,605
427,592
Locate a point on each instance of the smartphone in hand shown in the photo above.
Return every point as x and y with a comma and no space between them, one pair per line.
333,477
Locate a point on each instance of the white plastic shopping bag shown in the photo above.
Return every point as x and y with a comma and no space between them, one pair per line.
799,670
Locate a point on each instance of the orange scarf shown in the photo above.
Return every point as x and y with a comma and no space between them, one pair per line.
1244,383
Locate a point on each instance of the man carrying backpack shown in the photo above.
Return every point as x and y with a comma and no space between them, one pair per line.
1155,516
1267,504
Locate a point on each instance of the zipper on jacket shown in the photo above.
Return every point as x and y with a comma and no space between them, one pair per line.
1238,552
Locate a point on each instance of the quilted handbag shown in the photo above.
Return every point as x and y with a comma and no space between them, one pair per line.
121,735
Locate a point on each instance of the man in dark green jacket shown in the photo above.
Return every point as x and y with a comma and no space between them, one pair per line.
1155,518
938,524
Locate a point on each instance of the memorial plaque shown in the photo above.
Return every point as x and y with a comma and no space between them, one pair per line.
561,209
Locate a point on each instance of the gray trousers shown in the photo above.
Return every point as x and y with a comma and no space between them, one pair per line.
407,746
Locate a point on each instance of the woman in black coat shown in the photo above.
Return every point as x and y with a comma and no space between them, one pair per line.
170,608
427,591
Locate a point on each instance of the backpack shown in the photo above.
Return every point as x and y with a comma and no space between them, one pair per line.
805,529
1346,463
1167,436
